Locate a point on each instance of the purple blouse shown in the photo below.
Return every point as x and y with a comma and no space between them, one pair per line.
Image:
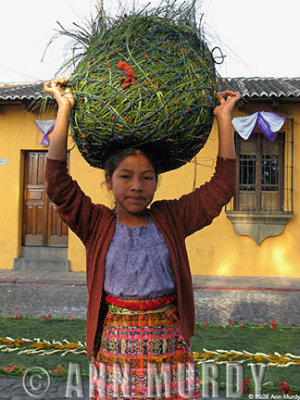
138,264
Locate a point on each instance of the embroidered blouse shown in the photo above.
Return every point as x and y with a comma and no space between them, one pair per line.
138,263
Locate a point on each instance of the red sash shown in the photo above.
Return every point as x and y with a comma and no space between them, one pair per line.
142,305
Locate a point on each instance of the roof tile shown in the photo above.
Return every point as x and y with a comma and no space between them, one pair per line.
248,87
263,87
22,91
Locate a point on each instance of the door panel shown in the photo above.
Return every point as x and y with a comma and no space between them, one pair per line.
57,230
41,224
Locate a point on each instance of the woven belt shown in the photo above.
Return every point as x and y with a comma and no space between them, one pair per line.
119,310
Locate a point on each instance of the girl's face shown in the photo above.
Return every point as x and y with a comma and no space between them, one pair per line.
133,184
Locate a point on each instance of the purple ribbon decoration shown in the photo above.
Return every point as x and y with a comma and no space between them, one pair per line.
265,127
269,124
45,126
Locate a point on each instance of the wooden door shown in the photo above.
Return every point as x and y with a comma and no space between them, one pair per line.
41,224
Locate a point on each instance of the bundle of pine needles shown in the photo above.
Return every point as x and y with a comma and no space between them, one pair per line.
145,79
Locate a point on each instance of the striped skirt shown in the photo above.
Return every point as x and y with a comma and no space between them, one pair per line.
143,355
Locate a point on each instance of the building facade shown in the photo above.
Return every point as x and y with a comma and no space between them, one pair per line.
257,234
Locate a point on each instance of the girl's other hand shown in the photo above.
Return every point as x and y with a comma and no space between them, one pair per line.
227,100
61,93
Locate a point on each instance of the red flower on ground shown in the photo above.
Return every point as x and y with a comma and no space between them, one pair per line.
241,325
231,322
246,386
285,388
205,324
272,325
18,316
15,369
58,369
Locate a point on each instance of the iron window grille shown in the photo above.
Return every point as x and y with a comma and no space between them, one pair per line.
264,181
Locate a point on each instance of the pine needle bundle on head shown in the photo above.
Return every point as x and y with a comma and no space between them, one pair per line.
145,79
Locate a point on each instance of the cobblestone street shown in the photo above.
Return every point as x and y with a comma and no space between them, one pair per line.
217,300
212,305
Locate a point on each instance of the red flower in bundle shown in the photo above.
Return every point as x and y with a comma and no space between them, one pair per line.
285,388
128,82
272,325
127,68
128,71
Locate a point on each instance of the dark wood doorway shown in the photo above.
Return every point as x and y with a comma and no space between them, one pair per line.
41,223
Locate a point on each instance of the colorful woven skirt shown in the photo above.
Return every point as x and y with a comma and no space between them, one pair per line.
143,355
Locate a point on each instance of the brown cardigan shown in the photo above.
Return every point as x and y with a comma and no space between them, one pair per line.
175,219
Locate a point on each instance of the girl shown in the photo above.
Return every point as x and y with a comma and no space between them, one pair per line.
140,316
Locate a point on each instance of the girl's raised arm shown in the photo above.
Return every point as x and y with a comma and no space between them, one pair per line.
65,100
223,112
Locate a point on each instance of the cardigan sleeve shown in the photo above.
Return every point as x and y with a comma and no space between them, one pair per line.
197,209
72,205
200,207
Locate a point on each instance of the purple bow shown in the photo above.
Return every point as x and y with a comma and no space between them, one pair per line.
45,126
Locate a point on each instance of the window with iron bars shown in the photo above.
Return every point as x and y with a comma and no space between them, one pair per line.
265,173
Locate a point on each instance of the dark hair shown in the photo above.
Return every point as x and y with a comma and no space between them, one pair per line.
114,161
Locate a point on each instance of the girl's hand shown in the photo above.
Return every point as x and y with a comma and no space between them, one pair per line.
227,100
65,101
61,93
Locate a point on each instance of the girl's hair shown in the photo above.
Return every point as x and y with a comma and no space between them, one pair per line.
114,161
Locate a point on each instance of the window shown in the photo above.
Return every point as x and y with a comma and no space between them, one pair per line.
260,183
263,202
